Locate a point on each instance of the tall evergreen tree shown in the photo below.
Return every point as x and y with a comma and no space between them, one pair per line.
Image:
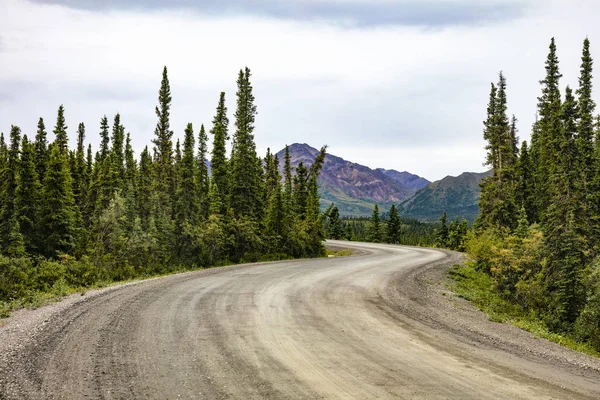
393,226
564,242
219,163
79,171
58,217
525,183
202,180
118,138
245,167
145,181
41,149
104,139
27,198
549,125
336,231
375,231
10,178
163,164
497,200
60,132
442,232
187,190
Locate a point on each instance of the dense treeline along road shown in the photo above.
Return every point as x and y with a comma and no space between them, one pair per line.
365,327
72,218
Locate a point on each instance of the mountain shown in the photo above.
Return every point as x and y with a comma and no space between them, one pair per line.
355,188
406,179
457,195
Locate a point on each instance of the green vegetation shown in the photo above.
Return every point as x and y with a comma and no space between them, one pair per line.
535,245
478,288
381,228
71,220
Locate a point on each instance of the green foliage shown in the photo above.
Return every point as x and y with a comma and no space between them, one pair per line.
86,221
547,269
375,228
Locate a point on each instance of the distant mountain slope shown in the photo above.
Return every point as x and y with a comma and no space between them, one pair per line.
355,188
458,195
406,179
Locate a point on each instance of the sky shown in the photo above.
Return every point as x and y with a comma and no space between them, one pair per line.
396,84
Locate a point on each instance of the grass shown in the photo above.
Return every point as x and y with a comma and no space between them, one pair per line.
478,288
339,252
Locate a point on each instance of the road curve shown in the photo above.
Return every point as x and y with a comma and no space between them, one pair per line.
371,326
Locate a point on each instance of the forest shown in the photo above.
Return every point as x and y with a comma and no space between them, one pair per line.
74,218
537,236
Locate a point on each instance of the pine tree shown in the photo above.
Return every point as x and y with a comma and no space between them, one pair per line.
27,199
130,165
394,226
497,199
145,180
300,190
104,139
562,225
163,163
41,149
336,231
275,216
57,215
442,232
525,183
60,132
10,178
218,163
549,125
79,170
202,180
375,232
118,137
186,209
244,165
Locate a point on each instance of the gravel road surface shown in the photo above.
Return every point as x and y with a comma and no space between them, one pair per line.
377,325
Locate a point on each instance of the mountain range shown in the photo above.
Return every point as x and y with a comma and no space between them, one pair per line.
355,188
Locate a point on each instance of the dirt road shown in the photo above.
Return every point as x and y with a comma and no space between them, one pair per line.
372,326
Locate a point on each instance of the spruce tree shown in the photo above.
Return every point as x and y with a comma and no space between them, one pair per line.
497,199
245,168
525,191
28,196
145,181
549,125
58,227
202,180
41,149
186,208
60,132
442,233
394,226
163,163
118,138
336,230
104,139
562,224
79,170
375,232
10,178
218,163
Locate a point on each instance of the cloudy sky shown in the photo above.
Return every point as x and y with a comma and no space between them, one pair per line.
387,83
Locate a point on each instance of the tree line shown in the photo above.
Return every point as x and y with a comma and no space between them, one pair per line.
73,217
379,228
538,232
